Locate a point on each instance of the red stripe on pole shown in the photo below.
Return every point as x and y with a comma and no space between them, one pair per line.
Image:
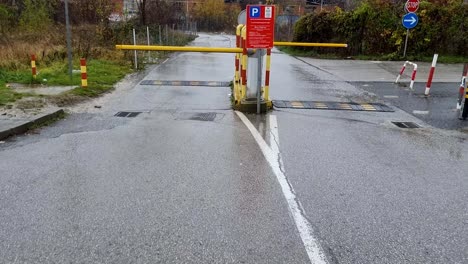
237,64
414,75
83,62
267,78
34,71
268,52
33,57
243,70
402,70
84,76
429,80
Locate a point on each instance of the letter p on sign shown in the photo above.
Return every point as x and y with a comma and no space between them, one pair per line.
254,11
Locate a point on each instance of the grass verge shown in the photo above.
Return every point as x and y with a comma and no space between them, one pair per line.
102,75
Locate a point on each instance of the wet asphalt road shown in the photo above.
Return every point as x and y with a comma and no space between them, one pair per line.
162,188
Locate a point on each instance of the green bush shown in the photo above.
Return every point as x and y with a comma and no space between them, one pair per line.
374,28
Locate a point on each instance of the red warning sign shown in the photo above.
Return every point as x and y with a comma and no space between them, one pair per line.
260,26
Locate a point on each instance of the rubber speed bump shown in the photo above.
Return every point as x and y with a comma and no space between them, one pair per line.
185,83
372,107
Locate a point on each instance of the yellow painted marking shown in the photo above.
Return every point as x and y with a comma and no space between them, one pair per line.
368,107
83,69
194,83
345,106
84,83
268,62
33,64
157,83
320,105
297,104
176,83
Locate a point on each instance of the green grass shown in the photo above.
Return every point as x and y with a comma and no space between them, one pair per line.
7,95
102,75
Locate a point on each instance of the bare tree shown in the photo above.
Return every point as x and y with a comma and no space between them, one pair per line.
142,4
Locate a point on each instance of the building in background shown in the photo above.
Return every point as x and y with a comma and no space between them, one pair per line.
123,10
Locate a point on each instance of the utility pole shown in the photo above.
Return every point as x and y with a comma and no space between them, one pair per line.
69,49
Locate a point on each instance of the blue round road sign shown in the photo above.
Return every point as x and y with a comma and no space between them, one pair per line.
410,20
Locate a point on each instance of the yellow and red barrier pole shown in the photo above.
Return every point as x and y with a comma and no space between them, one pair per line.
267,76
244,62
84,74
238,55
237,76
33,66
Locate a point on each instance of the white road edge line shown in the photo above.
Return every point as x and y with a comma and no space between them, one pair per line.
418,112
272,155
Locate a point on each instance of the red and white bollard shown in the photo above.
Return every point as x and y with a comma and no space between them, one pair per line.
413,76
401,72
431,74
461,90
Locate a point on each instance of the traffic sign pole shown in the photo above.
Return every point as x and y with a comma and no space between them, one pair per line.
406,43
409,21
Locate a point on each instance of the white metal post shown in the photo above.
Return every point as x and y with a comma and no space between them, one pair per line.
134,43
148,39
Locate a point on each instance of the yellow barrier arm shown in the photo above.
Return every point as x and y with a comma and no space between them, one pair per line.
304,44
177,48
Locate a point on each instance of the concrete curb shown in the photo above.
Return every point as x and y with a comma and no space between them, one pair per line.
27,125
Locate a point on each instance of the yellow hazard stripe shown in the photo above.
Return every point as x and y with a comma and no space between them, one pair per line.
345,106
83,69
368,107
84,83
320,105
297,104
33,64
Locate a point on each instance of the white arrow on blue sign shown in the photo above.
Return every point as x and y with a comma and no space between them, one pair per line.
410,20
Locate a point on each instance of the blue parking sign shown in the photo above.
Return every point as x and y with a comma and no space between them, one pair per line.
254,12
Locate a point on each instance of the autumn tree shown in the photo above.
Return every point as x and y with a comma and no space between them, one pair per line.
215,15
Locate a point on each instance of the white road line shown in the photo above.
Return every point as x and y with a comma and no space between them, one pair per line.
391,96
272,155
417,112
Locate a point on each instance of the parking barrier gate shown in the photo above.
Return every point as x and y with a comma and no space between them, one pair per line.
241,89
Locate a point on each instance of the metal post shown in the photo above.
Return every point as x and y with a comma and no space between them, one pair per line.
69,48
167,35
134,43
406,43
259,78
160,35
172,33
148,40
